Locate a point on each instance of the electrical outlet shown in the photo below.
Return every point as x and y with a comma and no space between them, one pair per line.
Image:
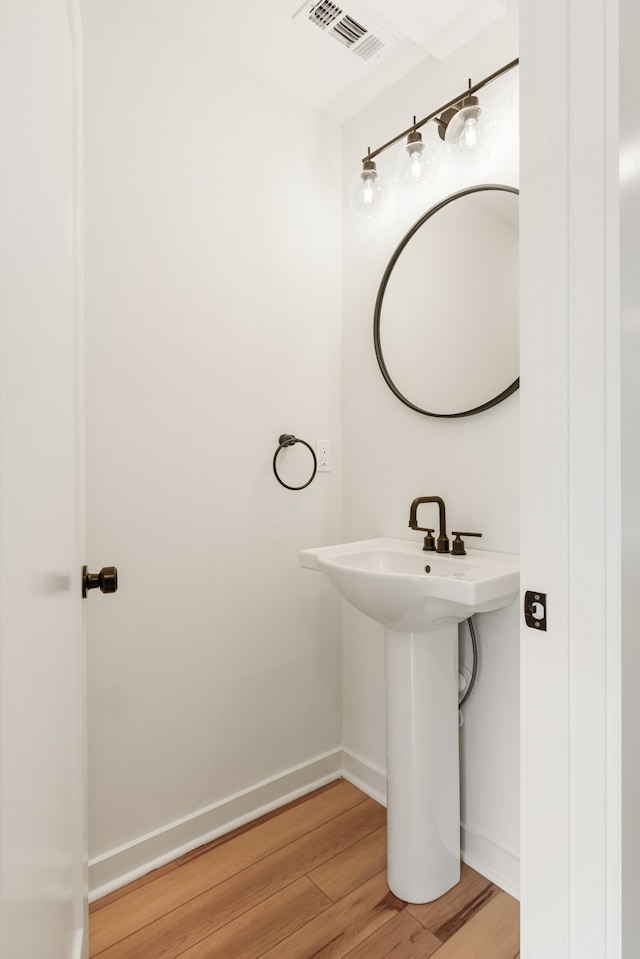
323,455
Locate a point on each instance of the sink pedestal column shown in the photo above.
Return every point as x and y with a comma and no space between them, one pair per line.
423,778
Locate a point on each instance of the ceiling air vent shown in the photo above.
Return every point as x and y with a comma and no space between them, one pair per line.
347,31
324,13
369,47
353,30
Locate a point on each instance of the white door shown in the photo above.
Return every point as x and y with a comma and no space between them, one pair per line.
42,710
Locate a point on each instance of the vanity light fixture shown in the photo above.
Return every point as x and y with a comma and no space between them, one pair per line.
416,164
467,129
368,194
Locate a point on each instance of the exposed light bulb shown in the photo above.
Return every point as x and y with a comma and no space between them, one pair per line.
415,167
471,133
416,164
367,191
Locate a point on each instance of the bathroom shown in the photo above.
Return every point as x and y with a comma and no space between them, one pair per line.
223,678
202,315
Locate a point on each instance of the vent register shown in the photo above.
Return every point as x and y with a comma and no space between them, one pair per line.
346,27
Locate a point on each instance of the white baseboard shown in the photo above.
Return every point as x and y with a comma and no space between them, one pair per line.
120,866
491,860
361,773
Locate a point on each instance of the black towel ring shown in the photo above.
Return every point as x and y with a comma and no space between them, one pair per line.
288,440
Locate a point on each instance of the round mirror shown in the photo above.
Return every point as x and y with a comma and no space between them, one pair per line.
446,316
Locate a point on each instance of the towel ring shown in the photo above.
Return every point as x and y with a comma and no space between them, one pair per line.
288,440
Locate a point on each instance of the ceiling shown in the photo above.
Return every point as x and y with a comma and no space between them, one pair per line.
331,55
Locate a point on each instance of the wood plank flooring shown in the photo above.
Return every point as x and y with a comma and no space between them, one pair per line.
304,882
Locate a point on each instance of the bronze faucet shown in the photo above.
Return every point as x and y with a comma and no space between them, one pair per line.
442,544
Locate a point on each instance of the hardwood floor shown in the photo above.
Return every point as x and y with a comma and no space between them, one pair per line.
304,881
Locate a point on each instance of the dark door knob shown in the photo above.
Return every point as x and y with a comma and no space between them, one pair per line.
106,580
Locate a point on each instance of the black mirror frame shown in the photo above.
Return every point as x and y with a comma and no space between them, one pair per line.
383,286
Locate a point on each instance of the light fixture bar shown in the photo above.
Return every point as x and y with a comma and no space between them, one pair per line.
445,106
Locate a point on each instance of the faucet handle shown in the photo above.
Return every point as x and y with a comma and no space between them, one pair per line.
457,547
429,541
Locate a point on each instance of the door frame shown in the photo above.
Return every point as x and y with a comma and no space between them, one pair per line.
82,856
572,766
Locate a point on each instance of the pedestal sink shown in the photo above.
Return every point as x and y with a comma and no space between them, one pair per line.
420,597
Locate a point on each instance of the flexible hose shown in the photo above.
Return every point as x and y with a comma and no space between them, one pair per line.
474,668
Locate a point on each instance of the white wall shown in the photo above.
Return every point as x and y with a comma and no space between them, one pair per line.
213,318
392,455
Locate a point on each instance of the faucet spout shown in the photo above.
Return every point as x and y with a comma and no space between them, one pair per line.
442,544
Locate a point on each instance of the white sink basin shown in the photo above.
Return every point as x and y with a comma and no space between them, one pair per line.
388,580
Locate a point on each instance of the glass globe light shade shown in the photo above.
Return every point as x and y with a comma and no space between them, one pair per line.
416,164
368,193
471,134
